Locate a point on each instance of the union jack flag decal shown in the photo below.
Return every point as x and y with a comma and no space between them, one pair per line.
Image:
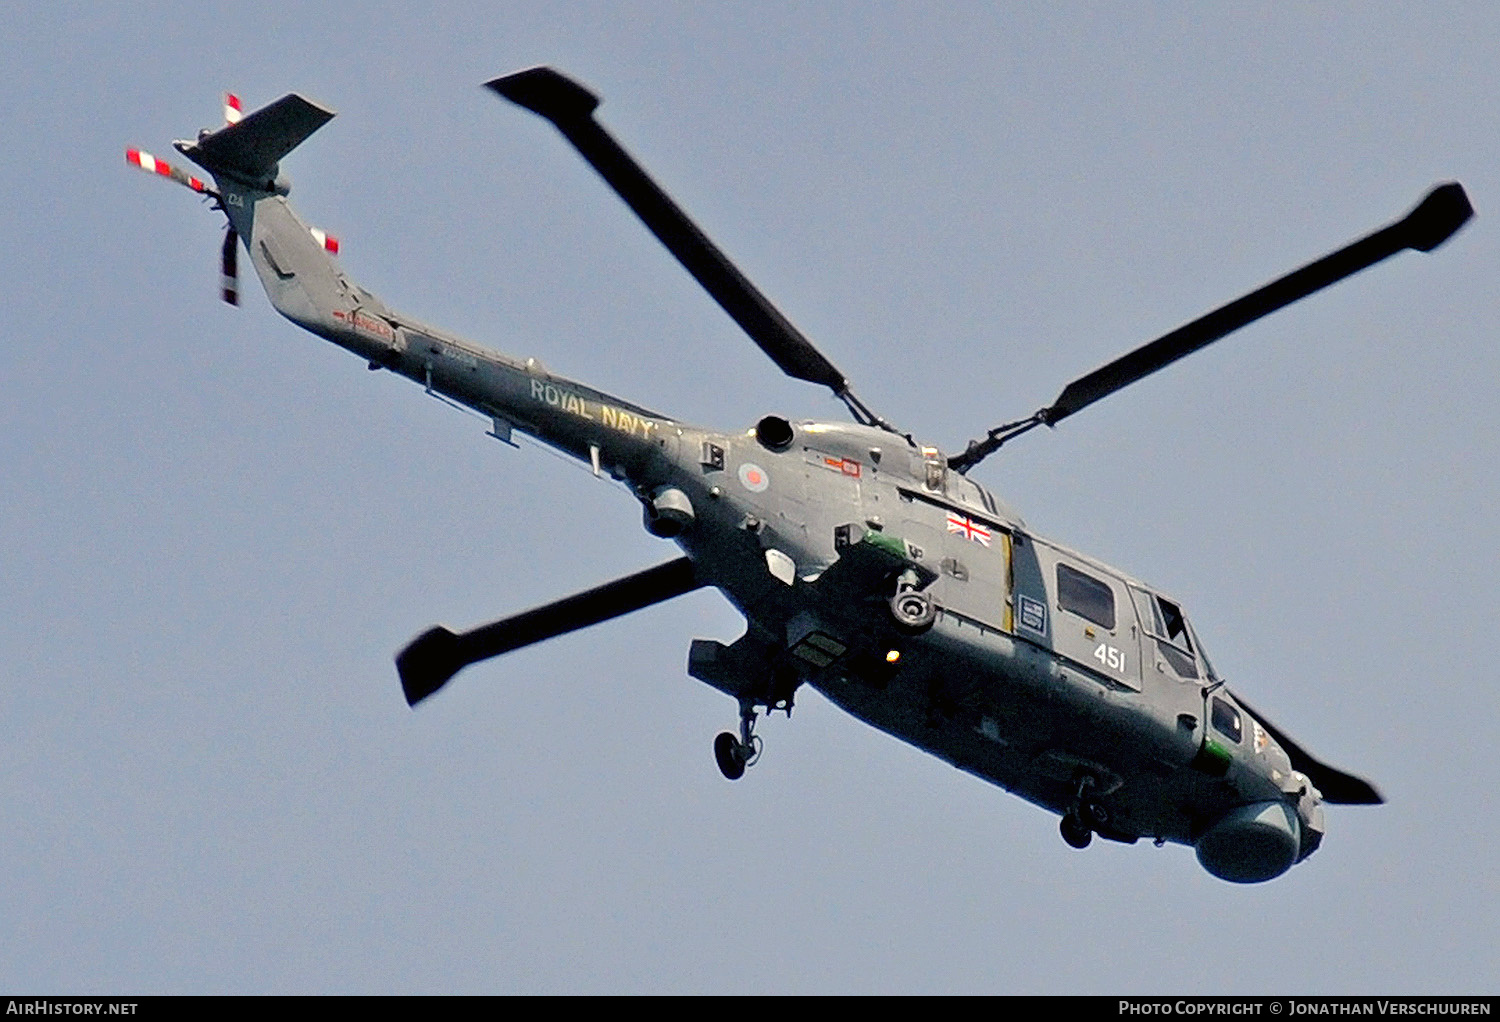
969,529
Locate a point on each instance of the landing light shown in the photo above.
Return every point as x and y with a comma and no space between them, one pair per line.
894,656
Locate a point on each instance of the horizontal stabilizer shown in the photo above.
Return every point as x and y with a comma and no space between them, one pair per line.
253,147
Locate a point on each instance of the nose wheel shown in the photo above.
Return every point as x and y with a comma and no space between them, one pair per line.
733,752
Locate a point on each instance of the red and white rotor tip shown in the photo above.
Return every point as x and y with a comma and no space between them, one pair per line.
328,241
151,165
232,111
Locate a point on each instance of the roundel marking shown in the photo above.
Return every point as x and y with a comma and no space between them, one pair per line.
753,477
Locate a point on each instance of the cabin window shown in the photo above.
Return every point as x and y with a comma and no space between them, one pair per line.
1226,719
1086,596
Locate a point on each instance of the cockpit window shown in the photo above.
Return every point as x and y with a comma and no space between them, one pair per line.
1212,675
1226,719
1172,638
1166,623
1174,624
1085,596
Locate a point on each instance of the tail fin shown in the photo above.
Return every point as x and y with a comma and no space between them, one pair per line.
251,149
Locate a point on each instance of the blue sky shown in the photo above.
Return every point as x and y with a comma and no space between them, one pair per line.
217,530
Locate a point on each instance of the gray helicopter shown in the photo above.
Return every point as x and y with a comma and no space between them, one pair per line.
866,565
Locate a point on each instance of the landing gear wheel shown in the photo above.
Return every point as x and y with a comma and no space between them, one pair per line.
730,756
736,752
1075,832
913,611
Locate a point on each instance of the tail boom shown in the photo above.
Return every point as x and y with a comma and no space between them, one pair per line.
296,265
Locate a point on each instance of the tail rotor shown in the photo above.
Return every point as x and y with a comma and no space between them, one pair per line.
287,121
229,258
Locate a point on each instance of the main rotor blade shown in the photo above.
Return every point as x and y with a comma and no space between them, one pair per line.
1445,209
438,654
1337,787
570,107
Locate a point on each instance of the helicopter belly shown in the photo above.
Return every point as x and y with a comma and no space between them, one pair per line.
1016,716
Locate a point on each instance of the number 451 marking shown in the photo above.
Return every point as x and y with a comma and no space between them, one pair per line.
1112,657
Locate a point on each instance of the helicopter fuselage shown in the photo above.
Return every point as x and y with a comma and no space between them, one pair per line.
1041,670
866,565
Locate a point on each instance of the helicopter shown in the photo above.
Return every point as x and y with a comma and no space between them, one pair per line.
867,565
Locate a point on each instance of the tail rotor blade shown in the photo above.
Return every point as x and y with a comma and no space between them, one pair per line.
152,165
229,268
